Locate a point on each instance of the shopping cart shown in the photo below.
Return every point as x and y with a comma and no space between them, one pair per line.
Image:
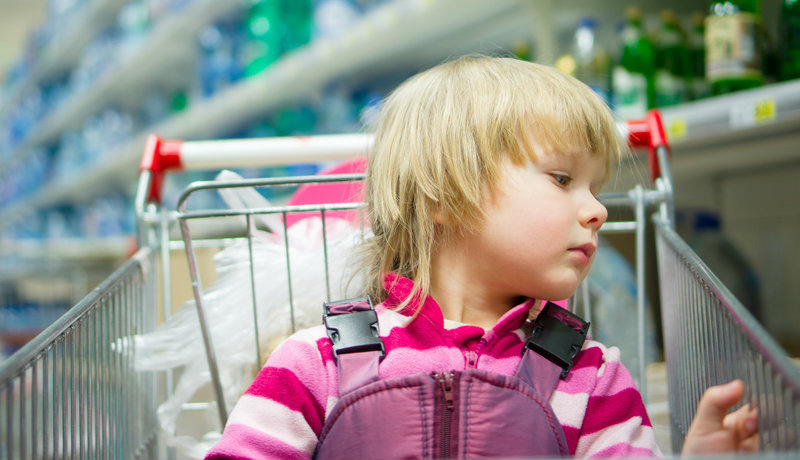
69,394
74,392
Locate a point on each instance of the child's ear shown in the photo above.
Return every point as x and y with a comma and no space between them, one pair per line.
440,219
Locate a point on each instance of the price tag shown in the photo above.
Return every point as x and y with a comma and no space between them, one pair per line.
677,129
765,111
753,112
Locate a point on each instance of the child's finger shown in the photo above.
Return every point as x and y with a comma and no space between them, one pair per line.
749,445
714,405
743,420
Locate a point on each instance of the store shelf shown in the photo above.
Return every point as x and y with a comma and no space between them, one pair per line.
27,259
156,60
400,35
749,129
63,52
395,36
68,249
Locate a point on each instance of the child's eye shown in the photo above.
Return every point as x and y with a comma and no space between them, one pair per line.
562,179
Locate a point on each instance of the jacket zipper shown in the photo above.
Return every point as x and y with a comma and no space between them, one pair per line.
445,380
473,355
472,359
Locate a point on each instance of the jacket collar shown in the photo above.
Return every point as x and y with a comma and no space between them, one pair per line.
398,288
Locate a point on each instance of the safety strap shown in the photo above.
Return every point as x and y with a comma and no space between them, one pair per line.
557,337
352,326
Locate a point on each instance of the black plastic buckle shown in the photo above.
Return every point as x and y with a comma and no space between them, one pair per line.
558,335
352,326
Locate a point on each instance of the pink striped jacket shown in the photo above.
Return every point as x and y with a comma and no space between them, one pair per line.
282,413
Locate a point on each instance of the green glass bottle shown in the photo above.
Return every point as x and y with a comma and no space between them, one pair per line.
672,62
633,78
790,40
733,56
696,39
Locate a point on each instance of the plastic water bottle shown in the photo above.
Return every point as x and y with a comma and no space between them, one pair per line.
298,16
334,17
587,61
217,63
265,33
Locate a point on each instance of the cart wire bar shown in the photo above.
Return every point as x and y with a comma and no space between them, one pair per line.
72,392
710,338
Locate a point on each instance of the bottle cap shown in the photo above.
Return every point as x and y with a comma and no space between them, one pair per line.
587,21
633,13
668,16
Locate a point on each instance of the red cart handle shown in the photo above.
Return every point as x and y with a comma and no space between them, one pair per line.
162,156
159,157
649,132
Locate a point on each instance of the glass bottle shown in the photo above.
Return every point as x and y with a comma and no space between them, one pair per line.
790,40
700,87
733,57
634,75
672,62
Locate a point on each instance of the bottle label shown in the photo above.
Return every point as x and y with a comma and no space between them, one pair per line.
670,89
731,48
630,94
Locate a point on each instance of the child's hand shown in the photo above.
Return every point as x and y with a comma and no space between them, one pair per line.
714,431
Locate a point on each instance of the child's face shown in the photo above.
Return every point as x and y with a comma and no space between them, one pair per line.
540,234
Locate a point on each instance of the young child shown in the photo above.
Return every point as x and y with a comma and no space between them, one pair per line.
481,191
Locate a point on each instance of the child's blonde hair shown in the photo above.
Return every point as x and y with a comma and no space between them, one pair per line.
440,140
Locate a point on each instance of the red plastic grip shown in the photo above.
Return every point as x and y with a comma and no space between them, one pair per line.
159,157
649,133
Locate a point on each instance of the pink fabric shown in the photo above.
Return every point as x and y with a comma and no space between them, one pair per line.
360,369
401,414
594,404
337,192
245,443
547,374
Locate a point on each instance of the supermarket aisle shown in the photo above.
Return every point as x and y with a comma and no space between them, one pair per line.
74,119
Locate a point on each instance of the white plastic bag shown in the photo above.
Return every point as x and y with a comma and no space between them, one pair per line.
177,343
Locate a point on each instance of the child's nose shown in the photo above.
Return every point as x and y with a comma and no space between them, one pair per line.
593,213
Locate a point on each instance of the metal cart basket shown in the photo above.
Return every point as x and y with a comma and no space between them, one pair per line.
74,391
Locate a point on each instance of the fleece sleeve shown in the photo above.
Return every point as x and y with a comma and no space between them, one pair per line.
281,415
615,423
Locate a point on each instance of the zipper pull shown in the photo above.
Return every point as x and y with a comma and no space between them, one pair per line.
447,386
472,358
